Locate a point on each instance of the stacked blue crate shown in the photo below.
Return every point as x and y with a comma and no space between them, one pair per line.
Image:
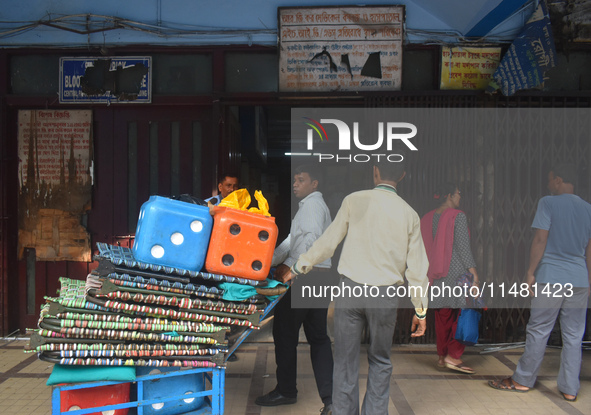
210,397
171,386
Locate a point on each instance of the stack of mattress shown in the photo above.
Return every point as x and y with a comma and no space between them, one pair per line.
138,314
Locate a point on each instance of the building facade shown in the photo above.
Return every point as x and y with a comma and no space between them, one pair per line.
213,103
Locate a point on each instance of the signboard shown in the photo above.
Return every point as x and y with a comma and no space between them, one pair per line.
92,80
531,54
340,48
54,146
468,68
55,178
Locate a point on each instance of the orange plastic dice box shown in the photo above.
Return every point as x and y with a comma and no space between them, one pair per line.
241,244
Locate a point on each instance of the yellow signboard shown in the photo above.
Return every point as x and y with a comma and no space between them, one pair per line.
468,68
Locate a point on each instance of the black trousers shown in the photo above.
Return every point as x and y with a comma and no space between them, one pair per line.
286,329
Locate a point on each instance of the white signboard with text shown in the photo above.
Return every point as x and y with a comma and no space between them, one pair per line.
340,48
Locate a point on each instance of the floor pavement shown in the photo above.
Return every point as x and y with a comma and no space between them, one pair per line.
417,385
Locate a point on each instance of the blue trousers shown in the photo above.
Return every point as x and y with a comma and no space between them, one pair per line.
544,312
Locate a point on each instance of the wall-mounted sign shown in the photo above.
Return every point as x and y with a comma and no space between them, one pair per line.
340,48
468,68
109,80
55,178
531,54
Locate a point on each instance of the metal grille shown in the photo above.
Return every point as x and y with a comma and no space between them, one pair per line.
501,180
7,234
3,245
168,154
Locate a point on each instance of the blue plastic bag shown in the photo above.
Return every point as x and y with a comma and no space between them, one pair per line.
467,329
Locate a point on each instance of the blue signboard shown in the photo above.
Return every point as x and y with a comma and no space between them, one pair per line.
531,54
94,80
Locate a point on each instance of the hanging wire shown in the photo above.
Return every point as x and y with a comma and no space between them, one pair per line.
86,24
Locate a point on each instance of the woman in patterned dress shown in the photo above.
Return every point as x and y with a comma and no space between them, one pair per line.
447,241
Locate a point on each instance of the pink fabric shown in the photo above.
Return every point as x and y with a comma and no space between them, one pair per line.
439,249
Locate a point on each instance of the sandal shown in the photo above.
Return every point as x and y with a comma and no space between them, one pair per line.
506,385
460,367
568,399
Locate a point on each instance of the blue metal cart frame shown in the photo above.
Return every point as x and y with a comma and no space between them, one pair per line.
214,396
246,332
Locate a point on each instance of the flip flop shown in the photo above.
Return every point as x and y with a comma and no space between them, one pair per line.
568,399
439,366
506,385
459,368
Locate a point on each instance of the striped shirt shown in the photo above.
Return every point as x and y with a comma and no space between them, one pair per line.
311,220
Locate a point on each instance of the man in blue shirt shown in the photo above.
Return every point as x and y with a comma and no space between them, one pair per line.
560,266
227,183
310,221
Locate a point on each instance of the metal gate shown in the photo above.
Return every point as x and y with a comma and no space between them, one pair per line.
4,244
501,180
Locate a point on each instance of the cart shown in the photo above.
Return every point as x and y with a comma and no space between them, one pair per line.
212,395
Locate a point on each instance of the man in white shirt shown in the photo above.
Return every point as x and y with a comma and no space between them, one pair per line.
311,220
383,246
